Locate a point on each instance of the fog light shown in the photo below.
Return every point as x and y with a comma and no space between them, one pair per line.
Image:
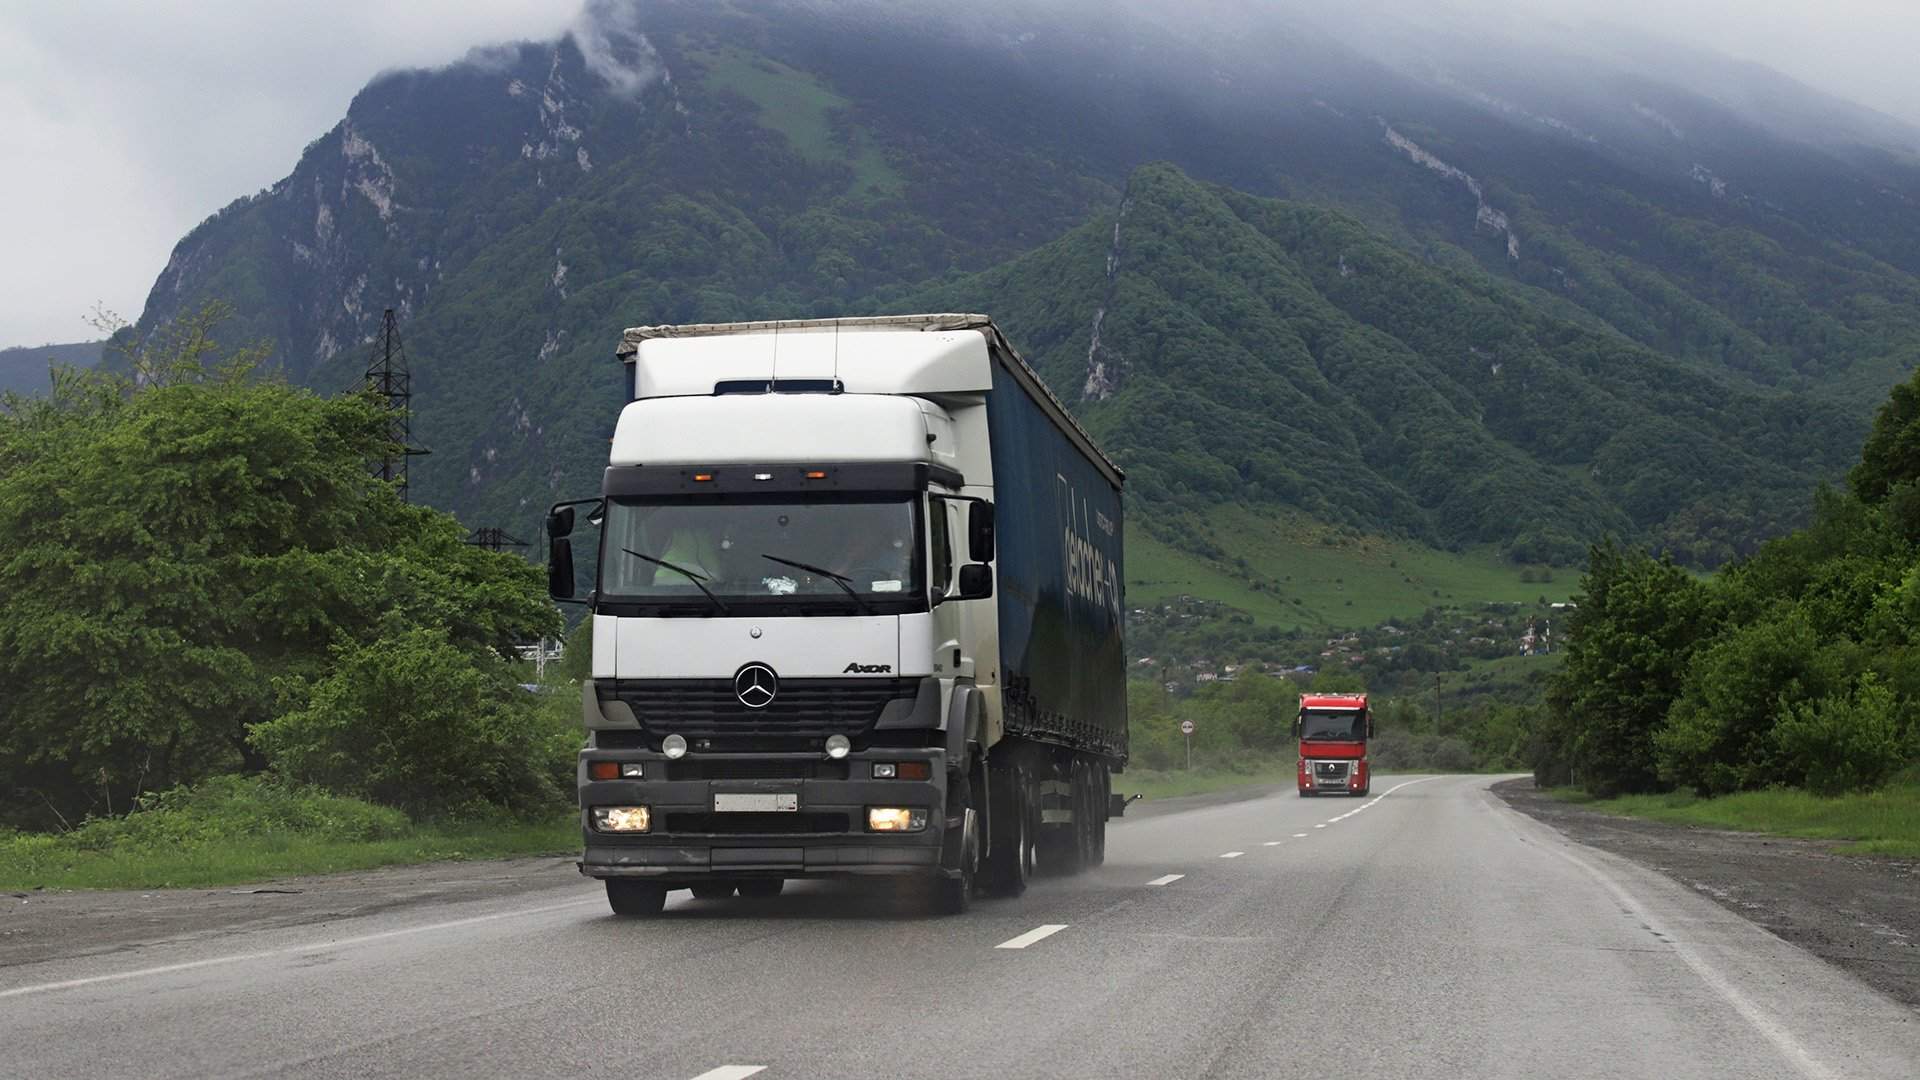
883,770
674,746
838,746
621,819
895,819
632,770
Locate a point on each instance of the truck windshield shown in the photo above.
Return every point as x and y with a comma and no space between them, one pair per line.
837,552
1345,725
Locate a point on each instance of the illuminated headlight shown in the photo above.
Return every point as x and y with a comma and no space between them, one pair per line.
674,746
895,819
621,819
631,770
838,746
884,770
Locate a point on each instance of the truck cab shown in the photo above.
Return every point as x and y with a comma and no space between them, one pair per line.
1333,730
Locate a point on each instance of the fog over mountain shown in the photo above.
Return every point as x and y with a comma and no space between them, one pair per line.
128,122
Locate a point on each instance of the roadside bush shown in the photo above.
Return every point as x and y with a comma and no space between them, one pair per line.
1843,742
413,721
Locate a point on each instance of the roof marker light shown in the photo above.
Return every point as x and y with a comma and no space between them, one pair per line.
816,474
703,477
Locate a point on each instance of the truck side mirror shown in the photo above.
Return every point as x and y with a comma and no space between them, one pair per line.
980,533
559,563
560,522
976,582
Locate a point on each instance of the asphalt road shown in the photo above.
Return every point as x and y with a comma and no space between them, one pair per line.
1429,931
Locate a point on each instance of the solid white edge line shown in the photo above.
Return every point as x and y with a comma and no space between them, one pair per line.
1231,854
315,946
731,1072
1167,880
1038,933
1769,1027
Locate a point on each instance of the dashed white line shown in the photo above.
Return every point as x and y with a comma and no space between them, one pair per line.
1271,843
1167,880
1038,933
1322,825
1231,854
731,1072
1299,836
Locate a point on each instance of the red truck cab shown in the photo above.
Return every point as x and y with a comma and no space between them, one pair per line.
1333,730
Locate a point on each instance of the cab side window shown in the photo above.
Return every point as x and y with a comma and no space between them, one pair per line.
940,526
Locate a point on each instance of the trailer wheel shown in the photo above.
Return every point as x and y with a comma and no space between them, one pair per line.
635,899
763,888
1009,862
1102,796
713,890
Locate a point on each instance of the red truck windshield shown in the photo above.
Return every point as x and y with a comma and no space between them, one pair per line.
1344,725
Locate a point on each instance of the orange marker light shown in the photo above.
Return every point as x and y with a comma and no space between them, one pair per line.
913,770
603,770
703,477
816,474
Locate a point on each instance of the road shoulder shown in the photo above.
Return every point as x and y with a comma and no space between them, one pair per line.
1858,912
50,924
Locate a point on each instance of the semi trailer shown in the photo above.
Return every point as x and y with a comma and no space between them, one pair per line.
857,611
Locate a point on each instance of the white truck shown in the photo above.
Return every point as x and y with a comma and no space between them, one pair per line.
857,611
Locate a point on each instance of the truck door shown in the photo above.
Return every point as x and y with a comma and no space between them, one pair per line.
946,534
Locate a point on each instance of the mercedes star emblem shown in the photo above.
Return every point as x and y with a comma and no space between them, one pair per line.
755,685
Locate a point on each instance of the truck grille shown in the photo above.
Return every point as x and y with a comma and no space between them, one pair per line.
809,708
696,824
1330,773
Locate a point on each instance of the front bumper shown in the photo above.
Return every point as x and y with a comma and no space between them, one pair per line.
1334,775
826,836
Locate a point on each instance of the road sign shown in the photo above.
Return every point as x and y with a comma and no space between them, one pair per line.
1186,727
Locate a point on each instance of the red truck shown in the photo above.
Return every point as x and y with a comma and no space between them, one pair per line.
1333,730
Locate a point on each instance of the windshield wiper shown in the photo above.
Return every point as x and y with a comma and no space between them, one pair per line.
845,583
685,573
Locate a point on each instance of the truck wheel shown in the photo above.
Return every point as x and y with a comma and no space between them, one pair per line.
762,888
1102,795
635,899
713,890
1362,793
1083,815
1061,844
1009,863
1304,793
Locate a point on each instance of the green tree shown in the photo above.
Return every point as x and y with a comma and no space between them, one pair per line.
177,541
1629,643
1891,456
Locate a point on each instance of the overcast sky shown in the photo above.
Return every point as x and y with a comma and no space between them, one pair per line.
123,123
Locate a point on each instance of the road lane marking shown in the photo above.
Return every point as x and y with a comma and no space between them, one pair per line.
1167,880
311,947
1322,825
1038,933
1271,843
1299,836
1769,1027
1231,854
731,1072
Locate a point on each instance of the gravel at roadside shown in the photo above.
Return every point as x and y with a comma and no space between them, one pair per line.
1860,912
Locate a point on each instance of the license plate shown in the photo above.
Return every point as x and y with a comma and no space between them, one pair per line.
754,803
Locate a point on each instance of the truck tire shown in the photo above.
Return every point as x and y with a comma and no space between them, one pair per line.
952,895
1062,846
1010,857
765,888
713,890
1304,793
1363,792
631,899
1102,796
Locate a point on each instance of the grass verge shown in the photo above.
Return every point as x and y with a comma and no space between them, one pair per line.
1156,784
1884,822
233,830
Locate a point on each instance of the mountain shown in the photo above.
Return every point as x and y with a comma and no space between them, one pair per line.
1463,288
26,369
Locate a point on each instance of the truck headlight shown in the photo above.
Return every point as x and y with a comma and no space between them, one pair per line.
616,819
895,819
